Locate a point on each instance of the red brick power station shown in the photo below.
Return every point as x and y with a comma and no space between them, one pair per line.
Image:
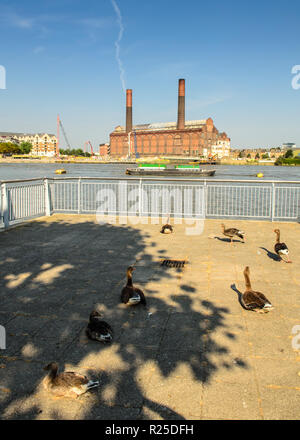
186,138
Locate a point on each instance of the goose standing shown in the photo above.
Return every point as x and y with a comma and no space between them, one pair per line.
253,300
68,384
232,232
97,329
167,228
280,248
132,295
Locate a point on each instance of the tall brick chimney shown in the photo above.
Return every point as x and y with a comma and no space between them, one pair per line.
181,105
128,110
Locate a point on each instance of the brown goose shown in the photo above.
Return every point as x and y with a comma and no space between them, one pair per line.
232,232
253,300
281,249
167,228
97,329
132,295
68,384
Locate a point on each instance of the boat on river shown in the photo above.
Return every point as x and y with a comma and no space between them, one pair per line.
163,170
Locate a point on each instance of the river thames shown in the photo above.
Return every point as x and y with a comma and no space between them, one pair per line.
236,172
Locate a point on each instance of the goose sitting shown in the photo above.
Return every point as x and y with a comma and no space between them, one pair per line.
253,300
97,329
232,232
281,249
167,228
68,384
132,295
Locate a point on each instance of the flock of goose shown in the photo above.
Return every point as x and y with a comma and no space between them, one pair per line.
251,299
71,384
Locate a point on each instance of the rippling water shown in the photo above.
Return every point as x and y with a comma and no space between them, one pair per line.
236,172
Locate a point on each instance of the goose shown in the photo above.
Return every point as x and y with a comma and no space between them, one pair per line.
97,329
68,384
232,232
132,295
280,248
253,300
167,228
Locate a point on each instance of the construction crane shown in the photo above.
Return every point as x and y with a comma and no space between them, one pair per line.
89,143
65,136
59,124
91,148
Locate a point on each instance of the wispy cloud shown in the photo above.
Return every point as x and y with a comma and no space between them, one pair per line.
194,104
12,19
38,49
117,44
97,23
42,26
91,26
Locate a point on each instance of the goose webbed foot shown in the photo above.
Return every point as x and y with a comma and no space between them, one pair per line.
263,311
286,261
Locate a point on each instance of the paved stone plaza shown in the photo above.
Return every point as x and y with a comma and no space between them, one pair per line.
192,353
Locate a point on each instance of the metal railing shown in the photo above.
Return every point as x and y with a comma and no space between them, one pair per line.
21,200
198,198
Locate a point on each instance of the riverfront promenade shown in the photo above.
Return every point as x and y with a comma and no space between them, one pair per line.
192,353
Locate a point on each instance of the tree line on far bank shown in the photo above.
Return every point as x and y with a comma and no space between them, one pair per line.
288,159
9,148
74,152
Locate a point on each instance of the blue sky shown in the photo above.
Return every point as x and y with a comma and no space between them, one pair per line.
75,57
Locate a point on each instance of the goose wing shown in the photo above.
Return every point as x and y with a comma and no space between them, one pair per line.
234,231
99,327
70,379
107,327
254,299
263,298
141,293
126,293
230,231
97,323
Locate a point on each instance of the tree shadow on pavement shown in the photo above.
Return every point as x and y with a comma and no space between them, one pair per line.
52,274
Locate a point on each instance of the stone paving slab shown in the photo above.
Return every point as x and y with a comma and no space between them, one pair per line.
192,353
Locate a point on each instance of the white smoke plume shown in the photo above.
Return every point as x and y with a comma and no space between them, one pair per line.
117,43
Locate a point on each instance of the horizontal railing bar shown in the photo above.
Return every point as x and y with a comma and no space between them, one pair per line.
34,179
154,179
172,180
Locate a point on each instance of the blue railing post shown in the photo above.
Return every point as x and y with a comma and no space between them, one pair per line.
79,195
47,197
273,202
205,189
140,198
5,205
